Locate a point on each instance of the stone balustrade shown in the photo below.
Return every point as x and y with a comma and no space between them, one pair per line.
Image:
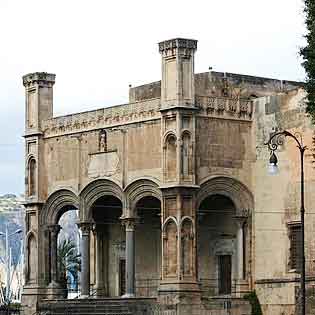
224,107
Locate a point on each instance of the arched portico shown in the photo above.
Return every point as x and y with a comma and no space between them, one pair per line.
102,202
223,212
58,203
143,236
95,190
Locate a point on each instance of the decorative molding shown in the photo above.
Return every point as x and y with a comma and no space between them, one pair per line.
139,189
102,118
183,43
129,223
229,187
39,78
57,203
224,107
95,190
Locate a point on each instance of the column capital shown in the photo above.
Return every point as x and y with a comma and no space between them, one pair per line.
129,222
85,227
54,228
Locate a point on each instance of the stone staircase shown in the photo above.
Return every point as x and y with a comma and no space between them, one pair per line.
93,306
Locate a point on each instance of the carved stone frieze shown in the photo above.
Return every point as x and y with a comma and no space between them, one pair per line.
39,78
224,107
178,43
101,118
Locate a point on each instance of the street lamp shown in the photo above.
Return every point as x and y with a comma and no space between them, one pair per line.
8,261
274,141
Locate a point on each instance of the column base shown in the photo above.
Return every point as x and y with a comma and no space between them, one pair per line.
100,292
175,286
31,296
128,296
180,302
54,285
55,290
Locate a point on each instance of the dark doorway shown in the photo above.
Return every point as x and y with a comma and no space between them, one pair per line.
122,277
225,271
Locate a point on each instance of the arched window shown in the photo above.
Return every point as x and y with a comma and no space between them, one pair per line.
186,155
187,247
171,157
31,259
170,248
31,177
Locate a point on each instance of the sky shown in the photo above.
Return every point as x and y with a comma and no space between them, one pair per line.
97,48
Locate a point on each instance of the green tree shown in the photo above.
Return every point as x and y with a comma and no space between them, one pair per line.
308,54
254,302
69,261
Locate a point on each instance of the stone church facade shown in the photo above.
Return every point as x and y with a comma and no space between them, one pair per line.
172,189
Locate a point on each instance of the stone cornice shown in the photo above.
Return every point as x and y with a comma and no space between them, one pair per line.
178,43
43,78
102,118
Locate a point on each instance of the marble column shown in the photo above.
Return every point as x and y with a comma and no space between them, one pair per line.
53,230
85,258
100,263
240,247
129,224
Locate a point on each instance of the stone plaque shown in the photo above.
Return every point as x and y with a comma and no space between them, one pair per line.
103,164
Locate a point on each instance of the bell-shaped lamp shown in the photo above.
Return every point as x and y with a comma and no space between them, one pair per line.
273,168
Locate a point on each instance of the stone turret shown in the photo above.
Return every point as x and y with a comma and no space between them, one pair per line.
39,99
177,86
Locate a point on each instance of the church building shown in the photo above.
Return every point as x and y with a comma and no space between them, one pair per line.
177,210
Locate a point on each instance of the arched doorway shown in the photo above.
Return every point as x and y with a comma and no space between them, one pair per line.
68,252
217,245
107,247
148,246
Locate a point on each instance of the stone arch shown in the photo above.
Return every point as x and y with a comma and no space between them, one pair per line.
138,189
170,156
31,255
229,187
57,204
96,189
187,218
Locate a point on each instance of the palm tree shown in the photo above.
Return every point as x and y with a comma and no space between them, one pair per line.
69,262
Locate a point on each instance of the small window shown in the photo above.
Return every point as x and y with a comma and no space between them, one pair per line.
295,237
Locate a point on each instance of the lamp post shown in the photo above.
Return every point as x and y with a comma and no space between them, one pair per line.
8,261
274,141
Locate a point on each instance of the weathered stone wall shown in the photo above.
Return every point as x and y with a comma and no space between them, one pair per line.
224,147
231,84
143,153
277,199
216,83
